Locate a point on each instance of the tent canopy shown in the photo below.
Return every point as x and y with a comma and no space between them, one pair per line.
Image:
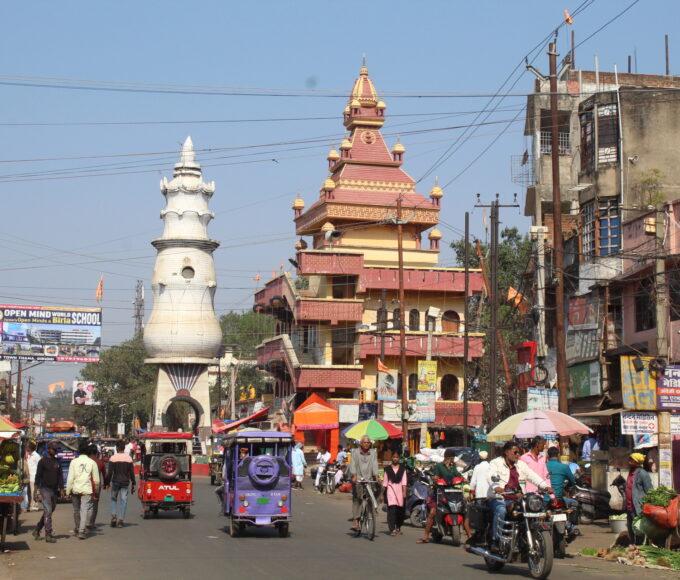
315,414
226,427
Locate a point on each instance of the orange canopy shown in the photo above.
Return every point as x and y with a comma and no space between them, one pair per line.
315,414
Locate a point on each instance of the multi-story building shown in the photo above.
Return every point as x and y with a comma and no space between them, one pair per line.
330,319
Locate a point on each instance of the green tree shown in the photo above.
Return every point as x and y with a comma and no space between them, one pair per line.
59,407
125,385
514,255
244,331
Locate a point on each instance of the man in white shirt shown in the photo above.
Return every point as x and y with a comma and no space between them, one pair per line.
32,460
82,482
479,485
322,457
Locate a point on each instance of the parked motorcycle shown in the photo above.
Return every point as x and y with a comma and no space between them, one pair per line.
594,504
524,535
450,513
327,479
415,507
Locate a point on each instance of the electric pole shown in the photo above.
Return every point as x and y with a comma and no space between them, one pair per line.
466,336
139,307
494,332
402,331
558,246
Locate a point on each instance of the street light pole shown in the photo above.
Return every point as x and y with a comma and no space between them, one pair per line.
402,330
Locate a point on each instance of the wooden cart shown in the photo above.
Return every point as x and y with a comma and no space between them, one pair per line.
9,515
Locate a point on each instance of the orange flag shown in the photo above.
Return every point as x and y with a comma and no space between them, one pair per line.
382,367
53,386
257,278
99,293
517,300
567,17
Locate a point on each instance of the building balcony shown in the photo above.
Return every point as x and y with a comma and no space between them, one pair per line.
422,280
443,345
329,309
279,357
331,263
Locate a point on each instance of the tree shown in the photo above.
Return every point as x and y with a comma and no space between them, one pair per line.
59,407
514,255
244,331
125,385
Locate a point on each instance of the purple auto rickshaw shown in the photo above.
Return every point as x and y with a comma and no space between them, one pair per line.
257,480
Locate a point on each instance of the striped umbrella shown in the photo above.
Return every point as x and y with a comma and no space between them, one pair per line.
377,430
531,423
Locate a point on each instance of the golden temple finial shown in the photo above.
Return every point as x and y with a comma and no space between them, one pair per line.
364,70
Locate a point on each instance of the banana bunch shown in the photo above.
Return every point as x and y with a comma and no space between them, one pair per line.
9,483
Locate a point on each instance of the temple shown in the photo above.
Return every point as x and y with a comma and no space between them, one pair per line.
341,312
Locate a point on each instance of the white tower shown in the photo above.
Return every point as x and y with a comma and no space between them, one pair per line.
183,335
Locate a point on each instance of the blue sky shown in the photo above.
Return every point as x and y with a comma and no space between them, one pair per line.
59,235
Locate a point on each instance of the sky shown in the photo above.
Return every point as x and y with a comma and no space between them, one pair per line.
98,97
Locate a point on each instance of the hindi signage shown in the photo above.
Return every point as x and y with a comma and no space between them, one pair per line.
542,399
427,376
348,413
387,386
668,389
425,407
639,423
584,380
638,388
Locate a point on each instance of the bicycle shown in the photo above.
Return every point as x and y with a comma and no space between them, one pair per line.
369,508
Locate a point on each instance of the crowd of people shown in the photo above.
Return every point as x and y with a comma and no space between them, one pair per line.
88,476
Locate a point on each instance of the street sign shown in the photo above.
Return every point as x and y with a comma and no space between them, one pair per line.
121,429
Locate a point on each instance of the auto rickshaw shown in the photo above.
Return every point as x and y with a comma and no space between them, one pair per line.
216,459
257,485
165,474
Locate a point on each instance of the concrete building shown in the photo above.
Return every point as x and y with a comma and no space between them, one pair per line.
328,329
183,335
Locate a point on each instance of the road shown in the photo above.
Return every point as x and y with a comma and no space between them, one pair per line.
320,546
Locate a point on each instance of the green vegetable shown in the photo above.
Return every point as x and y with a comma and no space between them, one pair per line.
661,496
662,557
589,551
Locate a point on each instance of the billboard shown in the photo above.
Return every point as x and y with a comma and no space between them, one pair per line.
425,407
638,388
387,386
584,380
83,393
427,376
46,333
542,399
668,389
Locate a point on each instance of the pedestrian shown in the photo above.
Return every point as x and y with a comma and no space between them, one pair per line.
49,484
128,447
589,445
299,464
81,484
341,457
394,485
32,460
638,483
93,454
363,466
120,476
535,459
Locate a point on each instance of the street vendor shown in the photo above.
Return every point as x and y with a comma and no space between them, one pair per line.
638,483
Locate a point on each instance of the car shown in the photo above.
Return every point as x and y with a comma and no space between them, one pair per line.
165,474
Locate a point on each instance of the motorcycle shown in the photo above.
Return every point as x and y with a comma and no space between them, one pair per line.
327,479
560,518
415,507
450,513
523,535
594,504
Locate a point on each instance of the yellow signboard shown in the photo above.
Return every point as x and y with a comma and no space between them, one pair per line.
638,388
427,376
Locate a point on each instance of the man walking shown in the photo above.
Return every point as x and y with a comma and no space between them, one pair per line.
121,477
93,454
32,460
81,484
299,464
363,466
49,484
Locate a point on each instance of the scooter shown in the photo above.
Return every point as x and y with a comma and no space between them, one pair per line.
415,507
594,504
450,513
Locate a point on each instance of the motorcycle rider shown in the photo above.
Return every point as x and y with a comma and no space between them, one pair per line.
505,473
447,471
322,458
559,474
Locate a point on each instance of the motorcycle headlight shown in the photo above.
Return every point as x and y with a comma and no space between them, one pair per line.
534,503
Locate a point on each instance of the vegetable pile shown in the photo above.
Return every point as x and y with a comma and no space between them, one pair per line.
661,557
661,496
9,467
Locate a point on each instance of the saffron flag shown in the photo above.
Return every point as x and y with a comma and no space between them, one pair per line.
99,293
53,386
517,300
257,278
382,368
567,17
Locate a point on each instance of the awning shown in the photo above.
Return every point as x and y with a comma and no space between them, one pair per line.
603,413
315,414
226,427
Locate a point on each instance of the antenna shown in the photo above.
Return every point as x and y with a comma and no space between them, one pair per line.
139,307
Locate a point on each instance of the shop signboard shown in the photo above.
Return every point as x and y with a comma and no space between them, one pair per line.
50,333
427,376
639,423
584,313
638,388
368,411
582,345
348,413
675,425
425,407
542,399
584,380
391,411
387,386
668,389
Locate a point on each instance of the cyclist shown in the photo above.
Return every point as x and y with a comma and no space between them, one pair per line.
447,471
364,466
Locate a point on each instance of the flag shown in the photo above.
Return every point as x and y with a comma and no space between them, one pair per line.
99,293
484,221
517,300
281,266
382,368
53,386
567,17
525,157
257,278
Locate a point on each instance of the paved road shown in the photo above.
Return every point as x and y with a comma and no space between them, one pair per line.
320,546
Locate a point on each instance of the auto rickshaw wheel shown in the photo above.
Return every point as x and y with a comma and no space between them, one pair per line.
283,530
145,514
234,529
187,513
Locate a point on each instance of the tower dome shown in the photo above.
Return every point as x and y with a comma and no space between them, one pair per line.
435,234
333,155
327,227
346,144
328,184
398,147
436,192
298,203
381,105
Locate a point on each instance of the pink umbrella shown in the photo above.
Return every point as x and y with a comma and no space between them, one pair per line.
531,423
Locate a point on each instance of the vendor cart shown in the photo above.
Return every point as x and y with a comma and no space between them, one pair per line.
9,515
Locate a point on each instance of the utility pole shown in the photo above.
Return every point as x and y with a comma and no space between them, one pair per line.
466,337
402,330
232,389
558,246
17,405
665,437
495,337
139,307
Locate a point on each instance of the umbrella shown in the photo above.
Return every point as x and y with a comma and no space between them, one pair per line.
375,429
531,423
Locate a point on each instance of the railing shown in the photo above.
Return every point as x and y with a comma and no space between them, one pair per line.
563,142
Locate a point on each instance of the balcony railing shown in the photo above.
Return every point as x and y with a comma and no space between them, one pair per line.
563,141
416,346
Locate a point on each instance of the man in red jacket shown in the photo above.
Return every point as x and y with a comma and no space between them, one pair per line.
120,476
